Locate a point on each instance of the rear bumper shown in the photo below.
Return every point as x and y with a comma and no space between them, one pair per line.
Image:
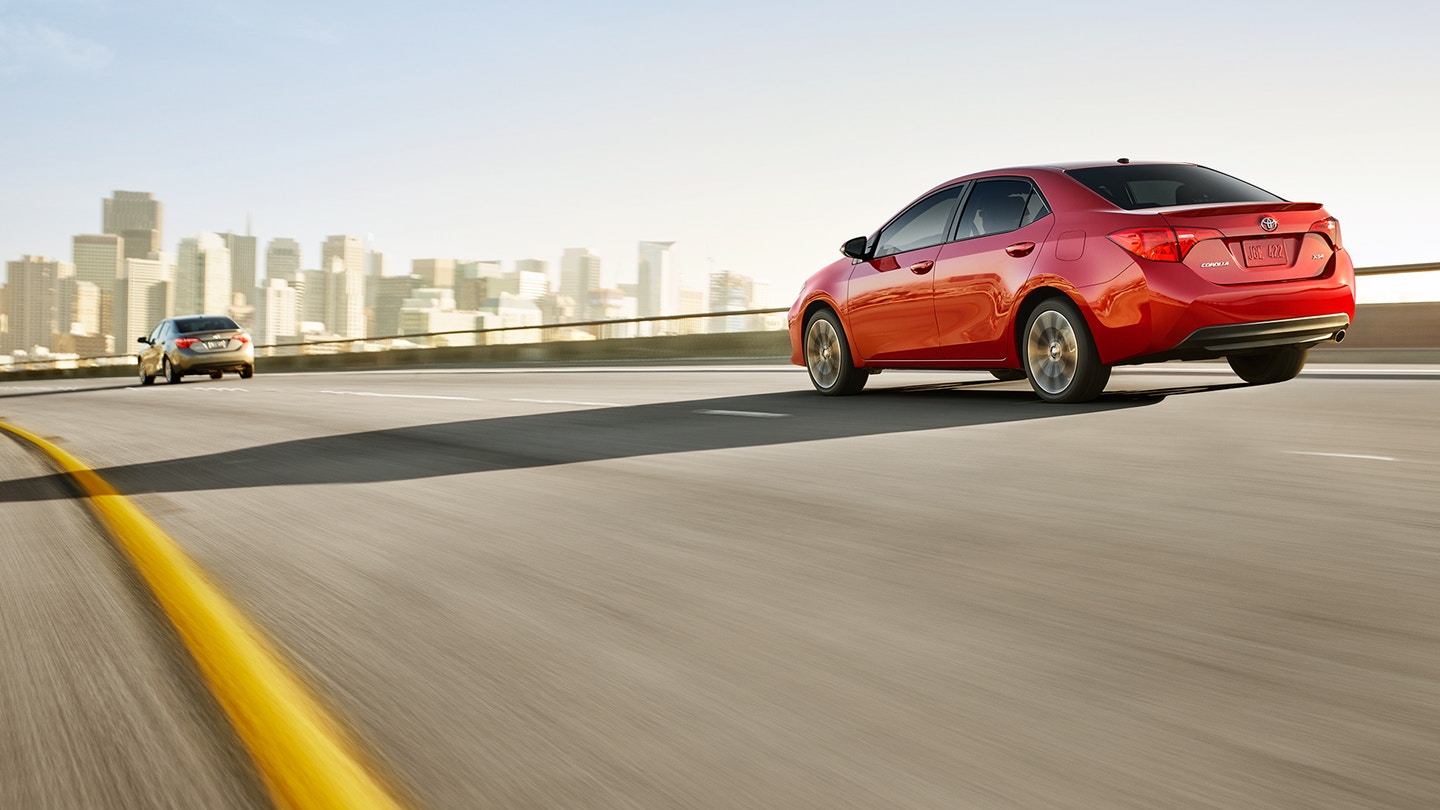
197,363
1235,338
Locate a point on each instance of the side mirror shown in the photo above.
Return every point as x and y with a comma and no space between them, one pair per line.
855,248
142,340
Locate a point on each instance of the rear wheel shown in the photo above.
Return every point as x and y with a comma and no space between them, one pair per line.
827,357
172,374
145,379
1270,366
215,375
247,372
1060,356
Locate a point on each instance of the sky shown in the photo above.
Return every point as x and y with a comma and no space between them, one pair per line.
758,136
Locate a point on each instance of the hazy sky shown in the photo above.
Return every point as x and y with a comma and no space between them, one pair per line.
758,135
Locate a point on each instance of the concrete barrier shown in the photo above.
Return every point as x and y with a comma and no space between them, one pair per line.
1383,333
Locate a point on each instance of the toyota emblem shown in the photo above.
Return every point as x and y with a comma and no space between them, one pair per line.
1268,224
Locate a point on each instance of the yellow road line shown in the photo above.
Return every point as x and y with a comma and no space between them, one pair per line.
303,754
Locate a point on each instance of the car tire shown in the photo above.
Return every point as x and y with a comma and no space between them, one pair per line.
247,372
1007,374
1060,357
215,375
145,379
827,357
1270,366
172,374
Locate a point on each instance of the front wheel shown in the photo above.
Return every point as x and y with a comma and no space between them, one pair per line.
145,379
1060,355
827,357
1270,366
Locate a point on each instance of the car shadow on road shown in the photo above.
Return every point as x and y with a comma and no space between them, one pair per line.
595,434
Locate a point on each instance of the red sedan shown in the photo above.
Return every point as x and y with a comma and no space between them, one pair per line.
1058,273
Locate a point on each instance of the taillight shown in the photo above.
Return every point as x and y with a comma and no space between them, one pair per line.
184,343
243,338
1162,244
1330,226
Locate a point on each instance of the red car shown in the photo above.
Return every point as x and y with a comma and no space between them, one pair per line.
1058,273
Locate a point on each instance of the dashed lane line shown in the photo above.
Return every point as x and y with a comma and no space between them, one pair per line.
751,414
400,396
1360,456
304,755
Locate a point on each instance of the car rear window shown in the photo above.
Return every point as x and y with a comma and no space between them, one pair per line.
188,325
1132,186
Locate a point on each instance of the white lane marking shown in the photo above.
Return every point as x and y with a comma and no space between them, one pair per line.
34,388
1340,455
568,402
399,396
752,414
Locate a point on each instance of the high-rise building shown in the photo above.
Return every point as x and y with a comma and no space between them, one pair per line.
34,294
242,263
282,259
390,295
100,260
137,217
342,260
579,274
436,273
275,315
142,298
657,281
732,292
534,276
202,276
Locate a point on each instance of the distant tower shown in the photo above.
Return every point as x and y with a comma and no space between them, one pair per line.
342,260
658,283
282,259
136,217
242,263
100,260
34,291
202,277
579,274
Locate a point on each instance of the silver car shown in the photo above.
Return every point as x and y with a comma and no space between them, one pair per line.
195,344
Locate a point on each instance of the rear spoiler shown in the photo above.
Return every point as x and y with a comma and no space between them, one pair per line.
1227,209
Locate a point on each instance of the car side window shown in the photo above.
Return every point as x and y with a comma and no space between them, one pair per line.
921,225
998,206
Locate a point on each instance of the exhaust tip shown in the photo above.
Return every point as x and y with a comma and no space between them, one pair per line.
1340,336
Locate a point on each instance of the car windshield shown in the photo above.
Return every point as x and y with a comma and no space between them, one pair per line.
1133,186
189,325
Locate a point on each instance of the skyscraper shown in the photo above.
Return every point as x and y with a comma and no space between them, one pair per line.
579,274
136,217
100,260
142,298
434,272
657,281
342,260
282,259
242,263
34,290
275,317
202,277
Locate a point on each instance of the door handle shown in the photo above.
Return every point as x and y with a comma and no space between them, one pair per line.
921,268
1020,249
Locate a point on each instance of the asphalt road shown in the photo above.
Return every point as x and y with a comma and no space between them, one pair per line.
715,588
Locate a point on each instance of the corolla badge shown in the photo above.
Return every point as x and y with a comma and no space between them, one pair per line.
1268,224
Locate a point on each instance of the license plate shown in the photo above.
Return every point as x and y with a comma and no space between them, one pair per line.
216,344
1265,252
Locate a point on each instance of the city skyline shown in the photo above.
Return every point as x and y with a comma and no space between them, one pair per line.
755,136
